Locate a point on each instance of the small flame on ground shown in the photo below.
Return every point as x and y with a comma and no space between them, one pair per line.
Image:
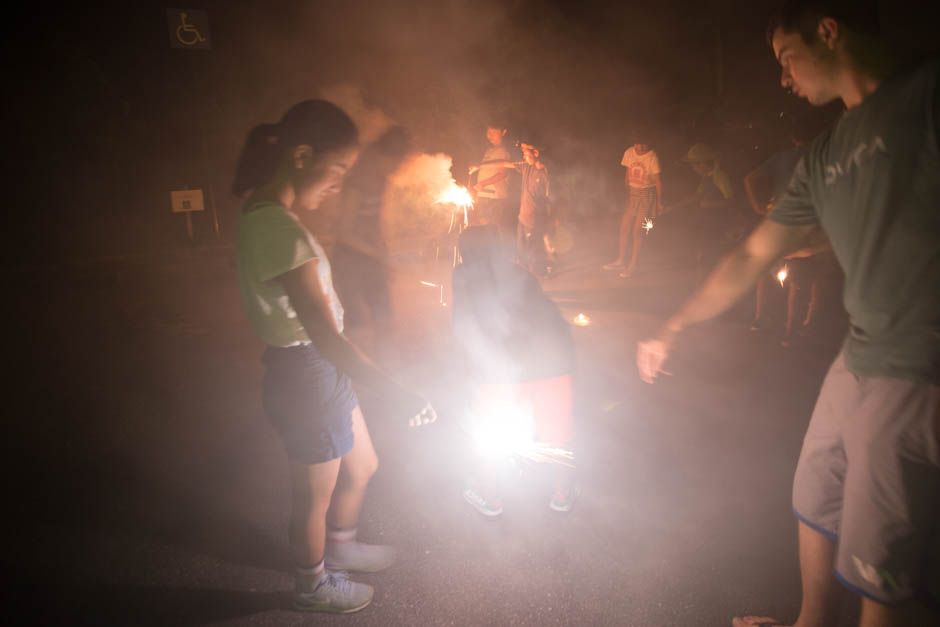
581,320
648,224
782,275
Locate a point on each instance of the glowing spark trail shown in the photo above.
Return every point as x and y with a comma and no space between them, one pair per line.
508,430
648,225
440,286
782,275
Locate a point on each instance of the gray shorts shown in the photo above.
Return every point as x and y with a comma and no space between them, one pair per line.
640,202
869,479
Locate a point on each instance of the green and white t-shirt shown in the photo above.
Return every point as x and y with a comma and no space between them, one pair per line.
873,183
272,241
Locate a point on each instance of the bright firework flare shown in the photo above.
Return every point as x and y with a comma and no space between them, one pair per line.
782,275
648,225
458,196
506,429
581,320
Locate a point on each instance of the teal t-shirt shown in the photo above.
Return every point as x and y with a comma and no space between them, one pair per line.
272,241
873,183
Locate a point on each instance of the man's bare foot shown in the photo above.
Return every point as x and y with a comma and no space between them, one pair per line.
626,273
755,621
613,265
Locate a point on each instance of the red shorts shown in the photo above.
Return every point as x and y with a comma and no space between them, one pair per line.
551,402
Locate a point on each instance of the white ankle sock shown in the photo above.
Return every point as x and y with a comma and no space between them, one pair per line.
308,578
338,536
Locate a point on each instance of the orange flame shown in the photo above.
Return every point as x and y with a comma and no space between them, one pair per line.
456,195
782,275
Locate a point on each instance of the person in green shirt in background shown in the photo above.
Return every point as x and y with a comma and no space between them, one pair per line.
287,290
710,204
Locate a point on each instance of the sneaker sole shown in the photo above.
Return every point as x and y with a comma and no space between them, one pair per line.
354,569
487,513
326,608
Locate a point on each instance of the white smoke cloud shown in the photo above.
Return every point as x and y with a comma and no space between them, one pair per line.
370,120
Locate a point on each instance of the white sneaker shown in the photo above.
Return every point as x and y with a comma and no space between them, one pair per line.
359,556
335,594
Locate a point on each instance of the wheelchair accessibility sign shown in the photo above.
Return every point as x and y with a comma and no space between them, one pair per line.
188,29
186,200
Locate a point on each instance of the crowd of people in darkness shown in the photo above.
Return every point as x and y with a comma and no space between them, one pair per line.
859,197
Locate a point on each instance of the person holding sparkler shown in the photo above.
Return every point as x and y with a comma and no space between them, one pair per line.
521,359
763,186
643,203
866,492
287,291
534,209
492,186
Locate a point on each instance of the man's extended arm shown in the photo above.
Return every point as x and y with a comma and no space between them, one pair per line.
733,276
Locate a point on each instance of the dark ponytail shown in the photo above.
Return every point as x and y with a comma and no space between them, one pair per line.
317,123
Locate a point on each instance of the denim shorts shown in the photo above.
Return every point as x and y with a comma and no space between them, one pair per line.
309,403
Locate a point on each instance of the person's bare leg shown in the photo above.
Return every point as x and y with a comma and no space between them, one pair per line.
793,302
759,302
358,466
821,590
813,302
311,489
636,225
625,222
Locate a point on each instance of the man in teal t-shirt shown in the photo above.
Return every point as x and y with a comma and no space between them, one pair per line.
867,486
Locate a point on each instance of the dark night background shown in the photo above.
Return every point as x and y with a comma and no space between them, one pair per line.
106,118
147,490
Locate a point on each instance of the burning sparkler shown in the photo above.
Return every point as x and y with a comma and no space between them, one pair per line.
508,430
458,196
782,275
581,320
648,225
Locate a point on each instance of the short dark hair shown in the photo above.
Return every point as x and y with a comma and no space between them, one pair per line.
803,16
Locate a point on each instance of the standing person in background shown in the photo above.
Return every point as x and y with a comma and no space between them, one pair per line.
711,204
763,186
361,254
807,268
534,219
492,186
287,291
644,200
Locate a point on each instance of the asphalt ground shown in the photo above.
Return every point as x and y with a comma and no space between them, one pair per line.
147,488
